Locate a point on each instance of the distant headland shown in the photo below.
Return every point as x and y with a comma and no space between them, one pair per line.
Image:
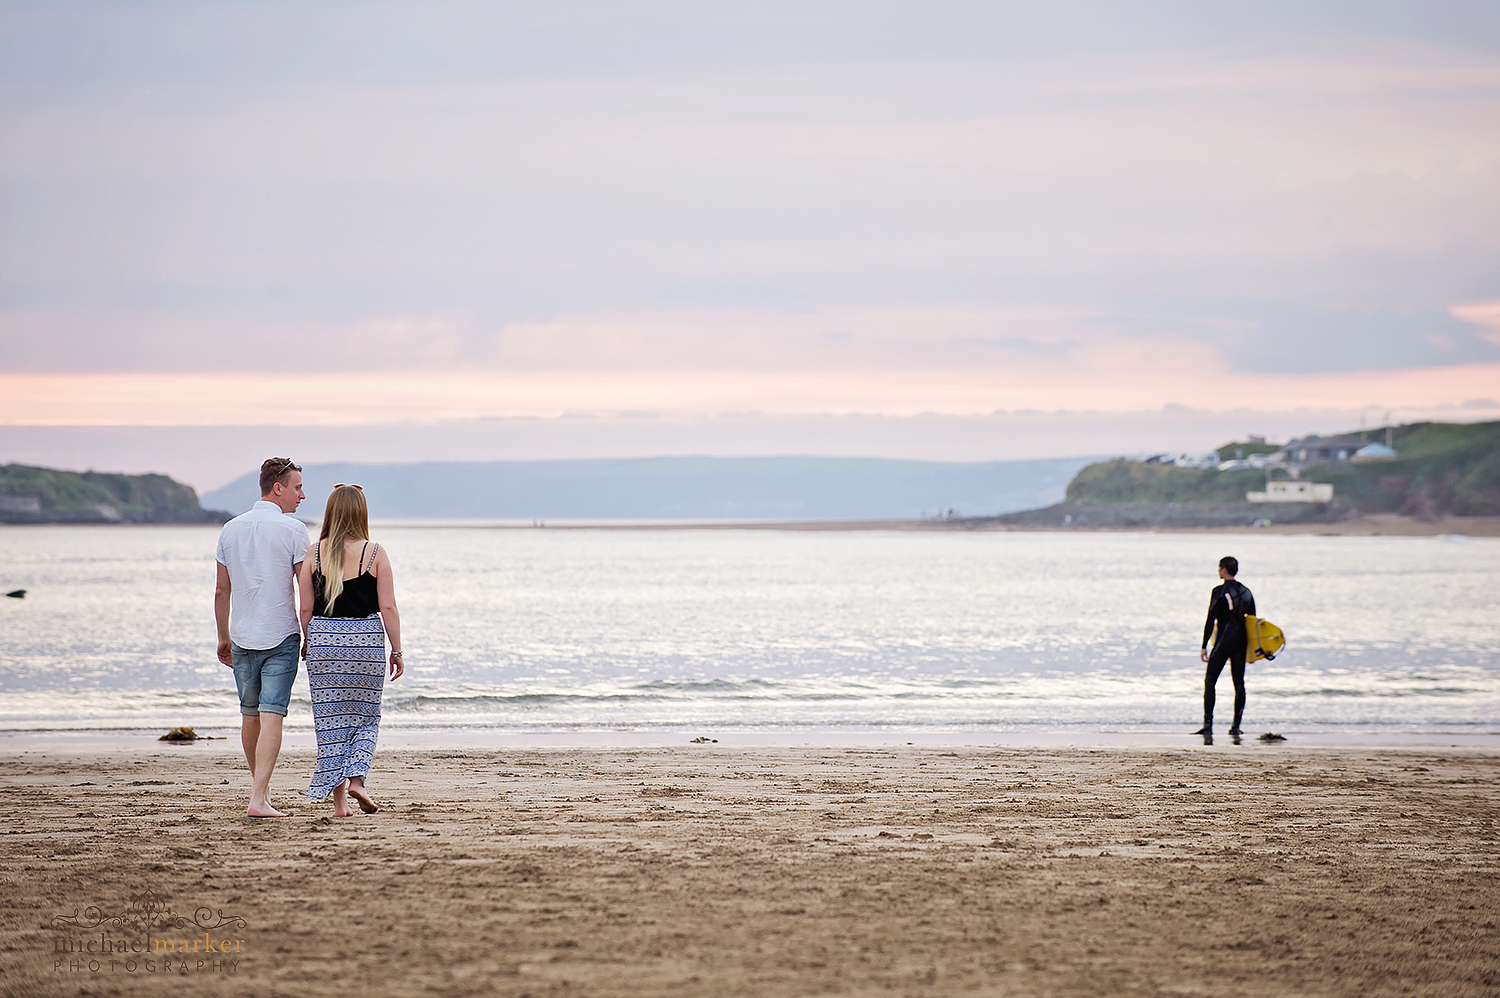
44,495
1426,472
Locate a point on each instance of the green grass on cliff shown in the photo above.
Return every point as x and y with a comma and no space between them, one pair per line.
1439,468
1235,451
148,497
1124,481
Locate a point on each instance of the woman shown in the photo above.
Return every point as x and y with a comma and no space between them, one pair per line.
348,608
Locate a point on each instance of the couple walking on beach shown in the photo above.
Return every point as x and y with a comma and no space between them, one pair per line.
345,608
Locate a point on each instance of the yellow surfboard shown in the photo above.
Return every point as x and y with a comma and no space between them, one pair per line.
1265,639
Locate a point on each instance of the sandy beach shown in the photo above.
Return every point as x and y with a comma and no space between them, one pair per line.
704,870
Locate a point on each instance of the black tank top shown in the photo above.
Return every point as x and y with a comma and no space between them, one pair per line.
358,599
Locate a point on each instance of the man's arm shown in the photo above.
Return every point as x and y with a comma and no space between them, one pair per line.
1213,615
221,615
1208,623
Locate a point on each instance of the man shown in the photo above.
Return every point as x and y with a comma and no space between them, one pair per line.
1227,608
259,633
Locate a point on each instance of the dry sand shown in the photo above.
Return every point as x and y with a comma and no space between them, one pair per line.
703,870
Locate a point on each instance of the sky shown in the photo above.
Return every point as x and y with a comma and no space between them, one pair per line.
955,230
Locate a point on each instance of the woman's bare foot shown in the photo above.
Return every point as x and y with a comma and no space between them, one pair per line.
341,801
357,791
264,810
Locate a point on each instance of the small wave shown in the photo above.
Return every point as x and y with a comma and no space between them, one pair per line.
1384,698
492,701
1340,693
707,685
424,701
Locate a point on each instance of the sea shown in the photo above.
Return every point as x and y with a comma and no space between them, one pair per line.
692,632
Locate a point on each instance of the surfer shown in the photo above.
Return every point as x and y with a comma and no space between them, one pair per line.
1227,607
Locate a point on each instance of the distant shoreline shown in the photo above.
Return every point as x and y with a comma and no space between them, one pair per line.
1373,525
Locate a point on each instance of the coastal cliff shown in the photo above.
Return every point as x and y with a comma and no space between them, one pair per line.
1440,470
45,495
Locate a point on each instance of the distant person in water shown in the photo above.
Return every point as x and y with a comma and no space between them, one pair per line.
259,553
348,610
1227,607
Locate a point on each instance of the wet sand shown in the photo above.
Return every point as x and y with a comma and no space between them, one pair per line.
705,870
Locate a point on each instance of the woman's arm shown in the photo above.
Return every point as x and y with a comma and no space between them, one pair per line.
305,593
385,591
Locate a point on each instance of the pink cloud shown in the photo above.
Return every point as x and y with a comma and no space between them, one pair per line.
1116,380
1485,315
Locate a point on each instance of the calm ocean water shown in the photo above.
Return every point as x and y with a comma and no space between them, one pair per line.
587,630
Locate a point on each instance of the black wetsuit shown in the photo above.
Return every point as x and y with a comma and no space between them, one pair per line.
1227,608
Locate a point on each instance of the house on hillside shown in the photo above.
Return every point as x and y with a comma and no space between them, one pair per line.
1321,450
1373,452
1293,492
1207,459
1253,461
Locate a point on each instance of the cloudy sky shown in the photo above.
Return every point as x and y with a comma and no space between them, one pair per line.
944,229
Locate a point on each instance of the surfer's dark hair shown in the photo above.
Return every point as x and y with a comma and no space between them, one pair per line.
1230,565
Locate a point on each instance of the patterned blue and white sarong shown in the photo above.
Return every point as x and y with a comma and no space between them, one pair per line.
346,669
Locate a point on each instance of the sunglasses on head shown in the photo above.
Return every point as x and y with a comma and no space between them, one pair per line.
349,485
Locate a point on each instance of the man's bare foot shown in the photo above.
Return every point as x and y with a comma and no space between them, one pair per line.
263,811
366,805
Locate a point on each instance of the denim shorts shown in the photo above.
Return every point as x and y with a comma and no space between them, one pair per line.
265,676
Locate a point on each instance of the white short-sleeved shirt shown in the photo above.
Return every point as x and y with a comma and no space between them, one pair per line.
262,548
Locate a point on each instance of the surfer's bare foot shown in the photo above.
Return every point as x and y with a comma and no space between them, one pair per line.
357,791
1204,731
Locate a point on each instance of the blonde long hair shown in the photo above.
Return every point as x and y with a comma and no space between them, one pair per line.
346,517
